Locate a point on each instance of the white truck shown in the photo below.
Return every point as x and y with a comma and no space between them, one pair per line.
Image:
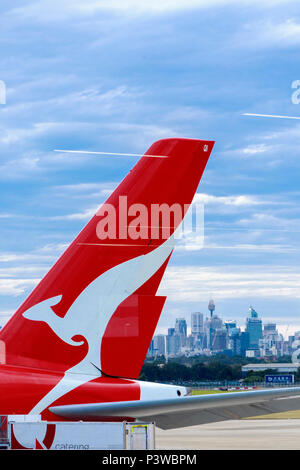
30,432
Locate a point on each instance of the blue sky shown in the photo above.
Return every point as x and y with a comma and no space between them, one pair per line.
117,75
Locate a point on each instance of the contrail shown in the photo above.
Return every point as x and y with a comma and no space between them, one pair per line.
271,116
109,153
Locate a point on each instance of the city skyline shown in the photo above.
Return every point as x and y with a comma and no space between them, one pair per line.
284,329
210,333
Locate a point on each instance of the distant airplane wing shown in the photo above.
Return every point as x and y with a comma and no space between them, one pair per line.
190,410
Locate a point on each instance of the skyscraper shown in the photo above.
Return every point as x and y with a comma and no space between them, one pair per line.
244,337
229,325
181,330
181,327
196,324
235,341
219,340
159,345
270,329
172,343
211,325
254,328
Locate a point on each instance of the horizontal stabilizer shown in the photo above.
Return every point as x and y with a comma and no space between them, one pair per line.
191,410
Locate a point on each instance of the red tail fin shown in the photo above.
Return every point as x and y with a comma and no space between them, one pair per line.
97,306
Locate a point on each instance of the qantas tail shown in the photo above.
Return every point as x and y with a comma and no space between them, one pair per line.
97,307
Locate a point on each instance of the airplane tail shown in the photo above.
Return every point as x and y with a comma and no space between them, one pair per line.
97,306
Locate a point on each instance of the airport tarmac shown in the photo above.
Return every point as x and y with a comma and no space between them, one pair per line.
262,434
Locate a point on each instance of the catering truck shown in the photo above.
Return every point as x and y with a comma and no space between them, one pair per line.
29,432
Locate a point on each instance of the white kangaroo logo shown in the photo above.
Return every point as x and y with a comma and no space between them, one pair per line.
89,315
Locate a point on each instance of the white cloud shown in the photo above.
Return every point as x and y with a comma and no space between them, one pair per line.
286,137
267,221
267,33
5,316
270,248
15,287
197,243
49,10
276,148
77,102
239,200
6,313
23,270
84,215
83,187
53,248
17,257
192,284
16,169
254,149
44,254
288,31
15,135
87,190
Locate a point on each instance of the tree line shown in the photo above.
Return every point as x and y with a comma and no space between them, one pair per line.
216,368
172,371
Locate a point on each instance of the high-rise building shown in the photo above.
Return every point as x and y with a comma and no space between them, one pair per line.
254,328
211,325
172,343
216,322
150,352
269,329
196,324
235,341
190,343
159,345
219,340
181,327
272,343
244,337
229,325
181,331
